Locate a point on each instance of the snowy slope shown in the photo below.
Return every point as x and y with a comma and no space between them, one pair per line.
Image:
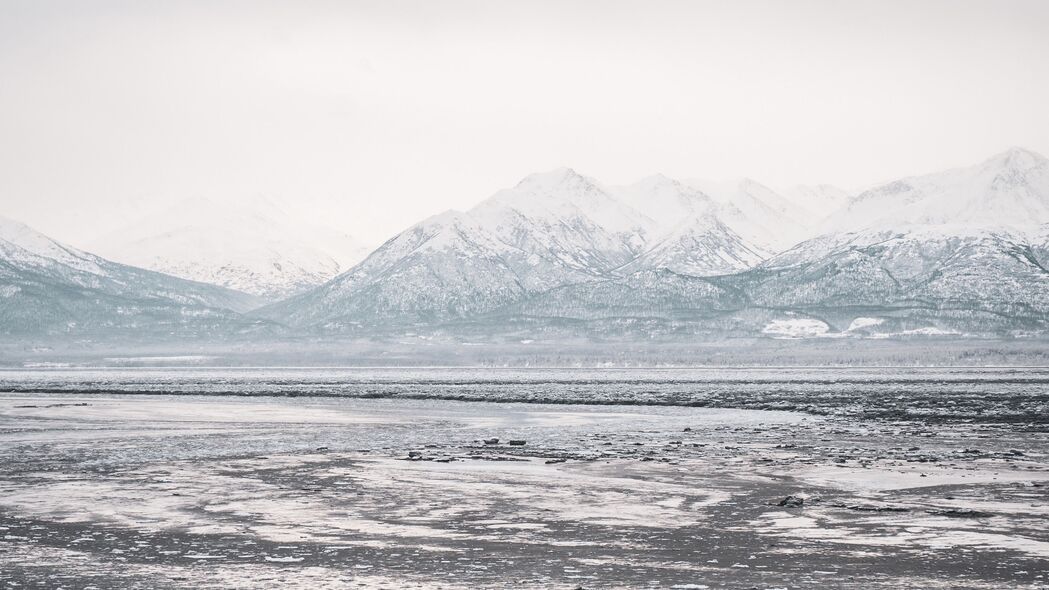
551,229
26,246
1006,195
1009,190
963,242
443,267
760,215
256,248
820,199
689,237
48,287
961,251
566,219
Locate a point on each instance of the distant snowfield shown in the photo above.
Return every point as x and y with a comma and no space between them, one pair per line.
159,360
861,323
797,328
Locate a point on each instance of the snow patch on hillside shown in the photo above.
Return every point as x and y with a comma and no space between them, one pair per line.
796,328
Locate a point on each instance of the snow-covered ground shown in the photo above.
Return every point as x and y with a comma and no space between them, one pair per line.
252,491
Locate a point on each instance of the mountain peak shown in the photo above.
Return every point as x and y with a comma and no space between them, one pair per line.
750,185
10,228
27,238
1017,158
659,186
1007,190
556,178
658,180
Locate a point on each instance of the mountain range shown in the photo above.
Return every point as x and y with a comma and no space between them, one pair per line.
961,252
48,288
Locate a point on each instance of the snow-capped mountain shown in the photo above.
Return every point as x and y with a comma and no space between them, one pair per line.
256,247
759,214
443,267
927,262
689,236
1006,195
820,199
965,251
552,229
967,244
1009,190
48,287
566,219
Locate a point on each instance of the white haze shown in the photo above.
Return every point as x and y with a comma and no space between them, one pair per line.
369,116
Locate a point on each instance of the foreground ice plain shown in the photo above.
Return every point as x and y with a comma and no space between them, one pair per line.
911,479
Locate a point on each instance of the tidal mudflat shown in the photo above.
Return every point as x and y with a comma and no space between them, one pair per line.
105,485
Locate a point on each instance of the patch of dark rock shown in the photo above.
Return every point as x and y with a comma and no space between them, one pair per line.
792,501
873,508
80,405
960,513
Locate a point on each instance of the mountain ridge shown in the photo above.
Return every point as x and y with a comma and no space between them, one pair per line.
935,267
960,252
550,229
51,288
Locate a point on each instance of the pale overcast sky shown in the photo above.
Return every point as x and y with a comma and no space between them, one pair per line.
372,115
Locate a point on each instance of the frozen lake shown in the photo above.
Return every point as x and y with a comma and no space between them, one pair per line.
389,478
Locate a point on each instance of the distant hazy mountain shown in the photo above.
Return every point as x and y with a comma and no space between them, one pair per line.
254,247
759,214
820,199
552,229
50,288
1010,190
